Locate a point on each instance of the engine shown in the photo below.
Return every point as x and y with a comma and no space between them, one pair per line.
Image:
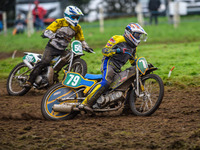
45,78
109,99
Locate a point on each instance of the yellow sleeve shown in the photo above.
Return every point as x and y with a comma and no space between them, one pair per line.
55,25
114,40
79,33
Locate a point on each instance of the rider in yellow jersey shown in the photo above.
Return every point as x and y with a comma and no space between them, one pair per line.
118,50
60,32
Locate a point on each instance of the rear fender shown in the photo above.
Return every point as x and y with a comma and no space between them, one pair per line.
32,57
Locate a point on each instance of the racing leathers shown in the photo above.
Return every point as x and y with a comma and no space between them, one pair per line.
60,33
116,53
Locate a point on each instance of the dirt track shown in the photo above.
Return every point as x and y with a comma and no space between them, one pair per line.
176,125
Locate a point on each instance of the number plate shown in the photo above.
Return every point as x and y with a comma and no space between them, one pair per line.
77,47
142,65
72,80
75,80
32,57
29,58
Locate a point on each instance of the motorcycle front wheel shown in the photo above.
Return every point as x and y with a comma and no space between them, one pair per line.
16,80
79,65
51,97
151,97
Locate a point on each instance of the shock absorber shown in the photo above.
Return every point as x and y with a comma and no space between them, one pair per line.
28,64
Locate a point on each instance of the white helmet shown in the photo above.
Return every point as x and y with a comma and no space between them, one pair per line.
134,33
72,15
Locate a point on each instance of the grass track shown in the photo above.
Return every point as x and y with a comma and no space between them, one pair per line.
166,47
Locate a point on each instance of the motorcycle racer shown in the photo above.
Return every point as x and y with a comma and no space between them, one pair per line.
60,33
118,50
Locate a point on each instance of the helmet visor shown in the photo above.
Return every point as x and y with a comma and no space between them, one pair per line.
72,17
137,35
140,36
143,37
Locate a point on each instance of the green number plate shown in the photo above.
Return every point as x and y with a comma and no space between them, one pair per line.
142,65
75,80
77,47
29,58
72,80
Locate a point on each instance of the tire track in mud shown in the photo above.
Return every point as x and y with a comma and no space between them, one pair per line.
20,116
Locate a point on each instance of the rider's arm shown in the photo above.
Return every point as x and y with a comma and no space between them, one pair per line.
50,31
79,36
49,34
114,50
79,33
132,60
108,52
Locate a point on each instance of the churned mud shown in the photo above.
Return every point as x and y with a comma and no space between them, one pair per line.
175,125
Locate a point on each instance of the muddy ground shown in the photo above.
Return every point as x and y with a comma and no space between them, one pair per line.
176,125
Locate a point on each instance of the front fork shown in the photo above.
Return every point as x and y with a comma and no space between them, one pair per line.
139,85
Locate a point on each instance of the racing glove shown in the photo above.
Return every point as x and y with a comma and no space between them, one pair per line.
89,50
119,50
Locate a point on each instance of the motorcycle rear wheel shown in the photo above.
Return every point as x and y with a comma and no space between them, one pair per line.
16,79
153,95
49,99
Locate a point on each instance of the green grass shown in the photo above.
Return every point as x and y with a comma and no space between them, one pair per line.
188,31
185,58
166,47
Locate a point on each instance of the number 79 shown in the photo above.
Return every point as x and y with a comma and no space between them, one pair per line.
73,80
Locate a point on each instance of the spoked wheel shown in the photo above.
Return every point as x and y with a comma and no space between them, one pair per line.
151,97
79,65
18,76
52,97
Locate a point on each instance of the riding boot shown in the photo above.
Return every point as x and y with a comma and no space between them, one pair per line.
28,84
92,97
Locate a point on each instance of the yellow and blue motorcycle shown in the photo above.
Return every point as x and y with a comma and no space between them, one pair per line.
135,88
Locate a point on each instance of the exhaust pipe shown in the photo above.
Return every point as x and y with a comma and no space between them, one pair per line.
50,74
65,108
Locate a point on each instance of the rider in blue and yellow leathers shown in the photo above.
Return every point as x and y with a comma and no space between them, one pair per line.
118,50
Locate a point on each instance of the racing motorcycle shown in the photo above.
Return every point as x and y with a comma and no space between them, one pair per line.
49,75
136,88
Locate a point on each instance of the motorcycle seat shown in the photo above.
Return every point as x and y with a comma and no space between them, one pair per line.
93,76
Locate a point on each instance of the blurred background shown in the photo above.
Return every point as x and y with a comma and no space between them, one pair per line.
173,40
91,8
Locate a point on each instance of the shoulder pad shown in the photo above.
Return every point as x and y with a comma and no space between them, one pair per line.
118,38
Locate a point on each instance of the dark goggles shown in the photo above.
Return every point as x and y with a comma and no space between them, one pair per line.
73,17
137,35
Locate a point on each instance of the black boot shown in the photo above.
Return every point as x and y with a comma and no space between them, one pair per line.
28,84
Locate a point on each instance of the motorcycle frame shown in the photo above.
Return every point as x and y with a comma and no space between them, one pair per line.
74,54
137,86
